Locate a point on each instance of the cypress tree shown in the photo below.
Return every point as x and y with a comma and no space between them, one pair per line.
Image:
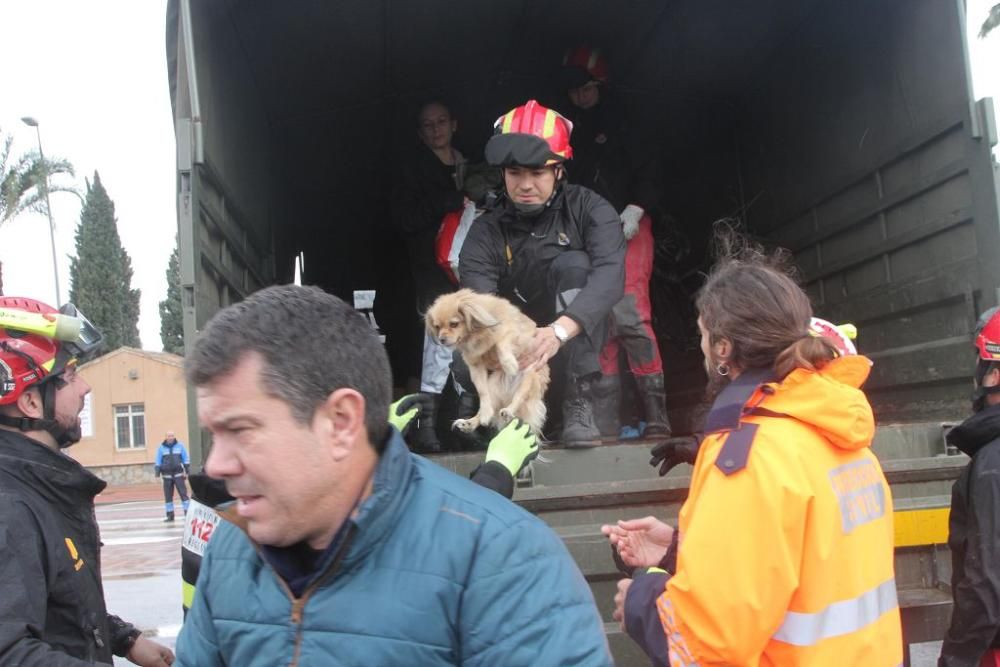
171,319
101,272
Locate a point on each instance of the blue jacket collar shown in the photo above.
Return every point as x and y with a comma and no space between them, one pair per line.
379,512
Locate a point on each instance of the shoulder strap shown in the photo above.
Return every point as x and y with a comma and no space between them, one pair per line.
729,407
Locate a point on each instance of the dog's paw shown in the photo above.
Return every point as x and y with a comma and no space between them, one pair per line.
510,367
506,416
465,425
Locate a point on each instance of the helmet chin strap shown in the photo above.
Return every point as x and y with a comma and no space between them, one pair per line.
63,435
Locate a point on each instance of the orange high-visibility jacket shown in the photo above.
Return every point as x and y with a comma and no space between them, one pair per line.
788,559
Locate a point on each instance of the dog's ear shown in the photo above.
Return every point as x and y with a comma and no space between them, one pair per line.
429,321
476,316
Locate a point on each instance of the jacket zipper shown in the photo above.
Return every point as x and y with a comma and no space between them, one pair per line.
299,604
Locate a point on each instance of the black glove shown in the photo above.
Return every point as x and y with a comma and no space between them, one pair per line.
156,471
187,469
673,451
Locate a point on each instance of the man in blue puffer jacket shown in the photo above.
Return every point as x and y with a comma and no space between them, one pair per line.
342,547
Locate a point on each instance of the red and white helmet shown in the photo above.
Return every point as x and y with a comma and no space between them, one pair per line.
530,136
841,335
987,355
988,335
37,344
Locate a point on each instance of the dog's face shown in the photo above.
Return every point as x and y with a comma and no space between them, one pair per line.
453,318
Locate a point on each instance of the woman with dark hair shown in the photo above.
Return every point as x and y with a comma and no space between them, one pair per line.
428,186
784,551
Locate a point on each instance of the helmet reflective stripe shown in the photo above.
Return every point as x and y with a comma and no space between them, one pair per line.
508,121
549,125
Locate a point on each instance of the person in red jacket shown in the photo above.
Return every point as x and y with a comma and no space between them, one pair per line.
607,161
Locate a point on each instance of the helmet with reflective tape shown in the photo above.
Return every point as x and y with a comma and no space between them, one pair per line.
988,335
530,136
584,64
987,343
841,335
37,344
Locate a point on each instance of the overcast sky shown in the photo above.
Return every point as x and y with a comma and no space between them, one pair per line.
94,75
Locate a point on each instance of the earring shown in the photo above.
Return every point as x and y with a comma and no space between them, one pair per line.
722,368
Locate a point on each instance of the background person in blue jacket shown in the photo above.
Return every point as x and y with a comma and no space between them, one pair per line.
173,464
343,547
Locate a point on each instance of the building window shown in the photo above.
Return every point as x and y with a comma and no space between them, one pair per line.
130,426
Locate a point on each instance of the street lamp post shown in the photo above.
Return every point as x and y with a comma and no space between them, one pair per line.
31,122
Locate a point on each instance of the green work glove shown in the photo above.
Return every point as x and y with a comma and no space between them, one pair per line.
513,447
402,412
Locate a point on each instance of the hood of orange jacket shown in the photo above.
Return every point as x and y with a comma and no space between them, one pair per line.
830,400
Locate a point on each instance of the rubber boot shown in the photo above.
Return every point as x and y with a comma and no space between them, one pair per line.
607,402
579,429
654,403
170,518
424,439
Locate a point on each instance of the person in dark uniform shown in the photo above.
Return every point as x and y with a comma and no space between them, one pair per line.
554,249
173,465
52,607
428,186
973,638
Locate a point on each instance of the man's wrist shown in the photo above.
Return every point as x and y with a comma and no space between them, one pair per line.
560,331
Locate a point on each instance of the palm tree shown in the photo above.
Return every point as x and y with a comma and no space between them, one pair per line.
22,181
991,22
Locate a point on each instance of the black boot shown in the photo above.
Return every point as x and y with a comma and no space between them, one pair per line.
607,401
170,518
424,439
654,403
579,429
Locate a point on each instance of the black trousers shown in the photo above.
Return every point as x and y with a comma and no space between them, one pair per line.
168,491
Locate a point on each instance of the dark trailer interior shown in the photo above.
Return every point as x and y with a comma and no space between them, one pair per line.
844,131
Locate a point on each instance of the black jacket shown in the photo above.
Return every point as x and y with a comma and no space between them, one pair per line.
974,540
52,611
576,219
424,192
608,160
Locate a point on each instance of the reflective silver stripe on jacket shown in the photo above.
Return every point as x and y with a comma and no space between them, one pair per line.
840,618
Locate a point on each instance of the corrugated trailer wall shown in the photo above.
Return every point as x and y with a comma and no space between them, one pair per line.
871,102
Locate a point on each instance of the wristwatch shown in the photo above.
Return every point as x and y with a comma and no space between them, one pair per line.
560,332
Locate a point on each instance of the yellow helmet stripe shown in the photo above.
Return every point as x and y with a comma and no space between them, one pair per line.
49,364
508,122
549,126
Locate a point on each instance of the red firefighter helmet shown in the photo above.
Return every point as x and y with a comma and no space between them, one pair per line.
987,355
37,344
589,62
988,335
529,136
26,358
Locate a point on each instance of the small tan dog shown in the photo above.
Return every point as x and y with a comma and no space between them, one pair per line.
491,333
